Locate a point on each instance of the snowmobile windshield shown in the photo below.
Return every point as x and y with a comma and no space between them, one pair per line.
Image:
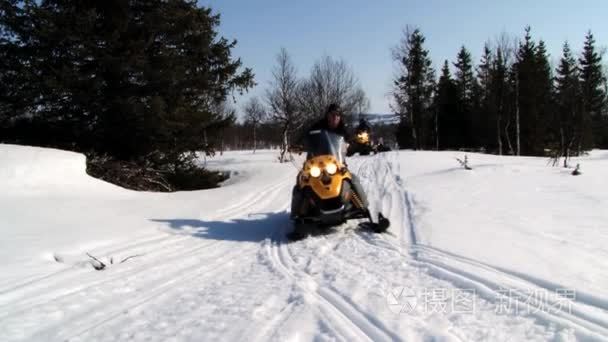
322,142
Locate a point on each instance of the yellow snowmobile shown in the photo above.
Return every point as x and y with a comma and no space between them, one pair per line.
325,194
361,142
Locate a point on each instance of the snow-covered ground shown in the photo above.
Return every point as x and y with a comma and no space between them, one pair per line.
512,250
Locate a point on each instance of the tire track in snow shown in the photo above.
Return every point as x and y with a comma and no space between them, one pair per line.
481,277
160,261
250,200
352,323
140,242
584,298
489,291
253,197
246,256
265,332
98,315
589,325
341,323
266,201
39,287
370,321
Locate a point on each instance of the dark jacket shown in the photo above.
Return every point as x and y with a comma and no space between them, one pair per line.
322,124
363,127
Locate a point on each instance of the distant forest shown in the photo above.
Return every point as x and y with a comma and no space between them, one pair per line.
511,102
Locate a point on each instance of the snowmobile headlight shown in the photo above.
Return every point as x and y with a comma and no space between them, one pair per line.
363,137
315,171
331,168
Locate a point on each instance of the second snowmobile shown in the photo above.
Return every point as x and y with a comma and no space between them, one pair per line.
324,195
362,141
361,144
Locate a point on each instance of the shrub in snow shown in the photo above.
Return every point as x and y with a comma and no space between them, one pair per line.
100,265
465,163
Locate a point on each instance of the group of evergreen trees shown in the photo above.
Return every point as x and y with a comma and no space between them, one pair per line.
512,102
136,80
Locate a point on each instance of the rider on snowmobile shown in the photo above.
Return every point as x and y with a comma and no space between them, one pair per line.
363,126
332,122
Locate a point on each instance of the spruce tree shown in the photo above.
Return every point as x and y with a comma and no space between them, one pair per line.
532,96
446,105
413,90
524,78
465,83
484,71
593,96
568,102
498,94
544,91
486,109
464,76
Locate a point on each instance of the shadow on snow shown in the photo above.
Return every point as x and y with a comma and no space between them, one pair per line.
253,228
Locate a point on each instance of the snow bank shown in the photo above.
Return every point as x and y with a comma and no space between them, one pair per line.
25,169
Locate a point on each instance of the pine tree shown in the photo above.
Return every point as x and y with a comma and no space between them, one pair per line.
446,106
568,102
413,90
465,83
593,96
464,76
12,76
484,71
429,117
498,94
544,91
486,109
527,107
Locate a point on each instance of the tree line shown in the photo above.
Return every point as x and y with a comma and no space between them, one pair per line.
511,102
150,83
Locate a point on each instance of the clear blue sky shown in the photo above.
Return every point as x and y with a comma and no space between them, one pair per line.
363,32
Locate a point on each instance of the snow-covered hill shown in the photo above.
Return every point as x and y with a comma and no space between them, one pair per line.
512,250
381,119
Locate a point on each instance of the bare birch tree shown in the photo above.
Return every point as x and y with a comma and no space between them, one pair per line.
282,98
255,114
331,81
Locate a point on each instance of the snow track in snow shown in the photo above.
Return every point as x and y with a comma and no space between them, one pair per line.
162,286
585,313
498,286
352,323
